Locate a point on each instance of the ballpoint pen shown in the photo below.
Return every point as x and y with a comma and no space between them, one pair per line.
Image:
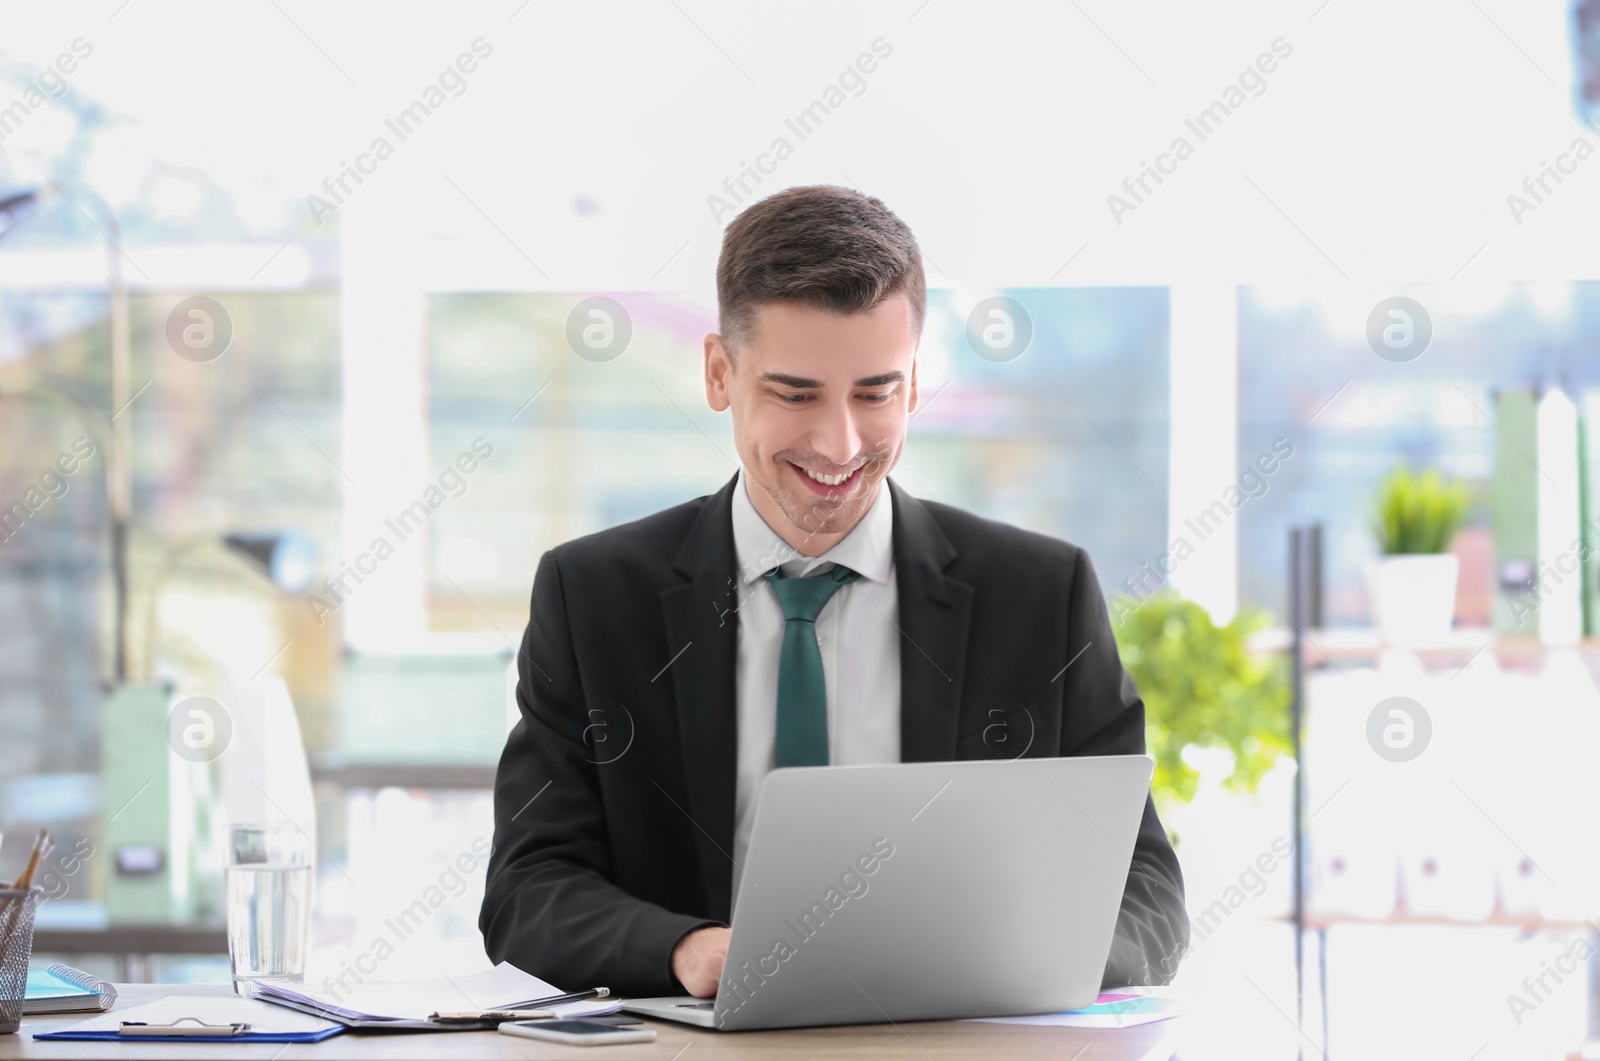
570,996
491,1016
532,1009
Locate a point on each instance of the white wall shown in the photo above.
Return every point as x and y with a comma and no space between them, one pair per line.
1389,139
584,149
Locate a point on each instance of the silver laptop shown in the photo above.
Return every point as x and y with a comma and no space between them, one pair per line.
925,891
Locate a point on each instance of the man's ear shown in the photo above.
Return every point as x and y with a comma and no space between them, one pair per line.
718,368
912,407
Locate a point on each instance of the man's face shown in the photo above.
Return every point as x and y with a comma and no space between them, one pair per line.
815,391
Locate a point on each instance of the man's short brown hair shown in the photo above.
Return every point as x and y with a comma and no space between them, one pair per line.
820,245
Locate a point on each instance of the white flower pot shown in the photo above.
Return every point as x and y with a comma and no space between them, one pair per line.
1414,597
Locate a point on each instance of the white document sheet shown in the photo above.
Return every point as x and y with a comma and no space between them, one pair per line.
502,987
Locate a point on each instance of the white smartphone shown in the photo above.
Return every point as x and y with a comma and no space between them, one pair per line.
577,1032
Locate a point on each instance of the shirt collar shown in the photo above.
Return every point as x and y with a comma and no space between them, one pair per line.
866,550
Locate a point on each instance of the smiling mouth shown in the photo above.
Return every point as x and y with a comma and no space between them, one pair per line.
828,485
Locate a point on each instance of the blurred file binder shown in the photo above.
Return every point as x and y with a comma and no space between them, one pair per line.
1540,495
1560,596
1445,873
1447,849
264,775
1513,509
1520,889
1351,834
1589,513
1349,877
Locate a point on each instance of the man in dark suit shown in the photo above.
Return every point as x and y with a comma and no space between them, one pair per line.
809,612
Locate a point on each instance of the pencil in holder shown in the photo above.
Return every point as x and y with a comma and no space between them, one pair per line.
16,947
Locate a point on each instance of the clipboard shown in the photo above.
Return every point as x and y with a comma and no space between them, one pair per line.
424,1006
267,1023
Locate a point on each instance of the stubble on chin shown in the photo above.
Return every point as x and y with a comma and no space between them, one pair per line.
815,516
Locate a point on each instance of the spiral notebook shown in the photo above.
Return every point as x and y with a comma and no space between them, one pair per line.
63,989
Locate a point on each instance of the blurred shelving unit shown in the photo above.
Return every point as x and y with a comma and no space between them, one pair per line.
1339,644
1313,648
77,929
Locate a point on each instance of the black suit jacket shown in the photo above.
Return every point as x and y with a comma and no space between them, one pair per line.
614,802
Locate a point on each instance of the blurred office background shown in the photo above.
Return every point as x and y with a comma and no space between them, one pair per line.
383,327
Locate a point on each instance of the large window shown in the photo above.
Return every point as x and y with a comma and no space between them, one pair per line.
1308,374
1069,439
245,443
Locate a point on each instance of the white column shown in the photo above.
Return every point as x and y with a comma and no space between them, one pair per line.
1204,400
385,449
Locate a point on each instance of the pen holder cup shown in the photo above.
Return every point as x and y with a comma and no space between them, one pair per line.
16,947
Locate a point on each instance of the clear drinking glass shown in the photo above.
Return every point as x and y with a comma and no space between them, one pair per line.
269,902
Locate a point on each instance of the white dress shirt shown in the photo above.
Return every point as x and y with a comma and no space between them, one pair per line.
857,632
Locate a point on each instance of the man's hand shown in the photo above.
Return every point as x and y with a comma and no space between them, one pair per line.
697,960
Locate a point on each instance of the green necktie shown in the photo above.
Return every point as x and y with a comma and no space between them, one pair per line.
802,738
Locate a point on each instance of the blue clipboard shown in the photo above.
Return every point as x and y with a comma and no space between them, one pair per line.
269,1023
89,1035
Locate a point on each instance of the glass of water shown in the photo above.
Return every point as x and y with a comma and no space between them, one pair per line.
269,902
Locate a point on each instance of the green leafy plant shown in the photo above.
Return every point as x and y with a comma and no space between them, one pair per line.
1202,686
1419,513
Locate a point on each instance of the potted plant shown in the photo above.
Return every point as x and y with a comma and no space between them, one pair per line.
1202,688
1413,586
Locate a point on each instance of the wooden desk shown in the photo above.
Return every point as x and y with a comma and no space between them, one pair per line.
925,1041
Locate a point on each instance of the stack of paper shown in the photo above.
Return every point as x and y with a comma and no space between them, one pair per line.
407,1005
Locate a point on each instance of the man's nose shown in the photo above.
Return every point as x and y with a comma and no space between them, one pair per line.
836,437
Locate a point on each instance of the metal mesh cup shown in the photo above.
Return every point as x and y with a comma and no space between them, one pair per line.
16,947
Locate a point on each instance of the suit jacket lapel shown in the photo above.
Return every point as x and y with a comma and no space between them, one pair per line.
702,625
935,612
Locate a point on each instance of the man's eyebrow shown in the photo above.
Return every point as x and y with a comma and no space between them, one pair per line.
802,382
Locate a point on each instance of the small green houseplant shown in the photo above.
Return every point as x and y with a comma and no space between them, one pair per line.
1202,686
1413,586
1419,514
